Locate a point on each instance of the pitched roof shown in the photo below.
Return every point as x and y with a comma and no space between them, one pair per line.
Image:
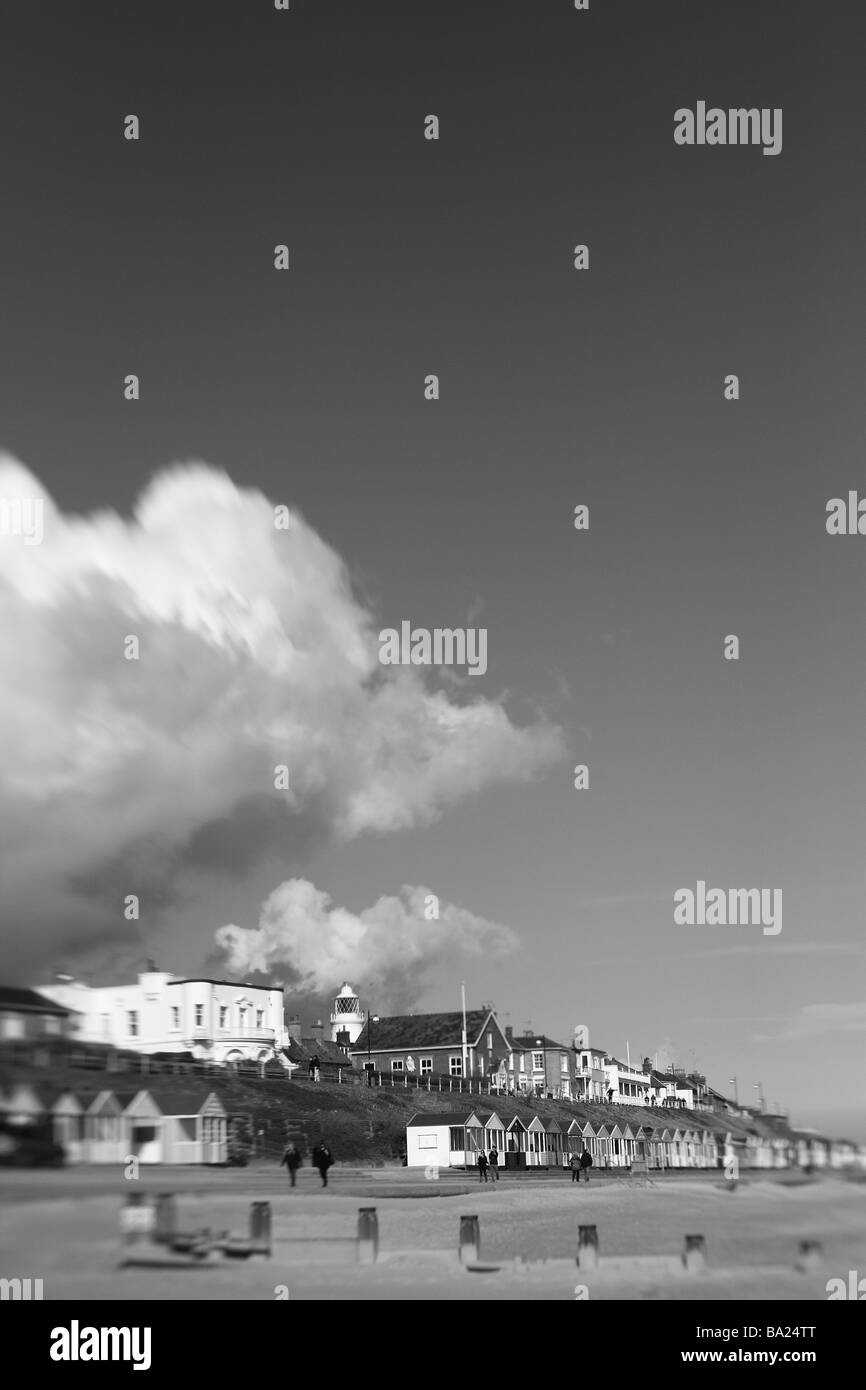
308,1048
28,1001
232,984
126,1096
185,1101
411,1032
431,1118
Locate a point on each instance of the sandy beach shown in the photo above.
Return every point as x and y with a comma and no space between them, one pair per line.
70,1237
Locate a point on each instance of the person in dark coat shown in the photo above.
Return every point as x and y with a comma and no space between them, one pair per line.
585,1164
493,1162
482,1167
574,1165
292,1160
322,1159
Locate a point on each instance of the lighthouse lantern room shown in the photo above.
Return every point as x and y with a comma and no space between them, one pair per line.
346,1017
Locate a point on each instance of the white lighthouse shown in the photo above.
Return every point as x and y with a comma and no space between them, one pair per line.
346,1016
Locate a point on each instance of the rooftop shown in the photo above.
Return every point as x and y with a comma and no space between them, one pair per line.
408,1032
29,1001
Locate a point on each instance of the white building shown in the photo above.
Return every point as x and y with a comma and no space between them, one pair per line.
629,1085
445,1139
216,1020
347,1017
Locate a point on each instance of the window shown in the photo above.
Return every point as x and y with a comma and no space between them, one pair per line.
224,1016
456,1140
426,1066
199,1015
455,1067
538,1061
563,1062
427,1141
260,1017
175,1016
132,1020
51,1026
489,1042
396,1063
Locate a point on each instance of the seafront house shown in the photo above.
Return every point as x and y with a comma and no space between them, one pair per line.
28,1016
431,1045
628,1083
300,1053
589,1074
213,1020
542,1066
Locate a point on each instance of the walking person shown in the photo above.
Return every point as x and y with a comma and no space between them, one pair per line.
574,1165
585,1164
322,1159
482,1167
494,1166
292,1159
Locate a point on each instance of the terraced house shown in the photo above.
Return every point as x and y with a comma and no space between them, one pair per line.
542,1066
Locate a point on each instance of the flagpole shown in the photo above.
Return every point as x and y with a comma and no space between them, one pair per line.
463,1001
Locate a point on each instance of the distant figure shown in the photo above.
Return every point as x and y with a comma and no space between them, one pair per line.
512,1145
494,1166
610,1095
586,1164
322,1159
292,1160
482,1167
314,1068
574,1165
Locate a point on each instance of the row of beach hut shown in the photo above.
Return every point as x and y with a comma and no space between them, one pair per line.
159,1125
455,1141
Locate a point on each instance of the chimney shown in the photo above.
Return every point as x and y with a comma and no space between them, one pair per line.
294,1028
647,1065
509,1033
317,1032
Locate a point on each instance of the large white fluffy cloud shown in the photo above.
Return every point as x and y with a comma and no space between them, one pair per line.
117,775
302,939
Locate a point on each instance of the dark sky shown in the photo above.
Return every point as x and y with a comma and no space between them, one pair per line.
557,387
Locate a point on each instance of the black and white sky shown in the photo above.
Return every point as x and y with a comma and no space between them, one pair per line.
557,387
